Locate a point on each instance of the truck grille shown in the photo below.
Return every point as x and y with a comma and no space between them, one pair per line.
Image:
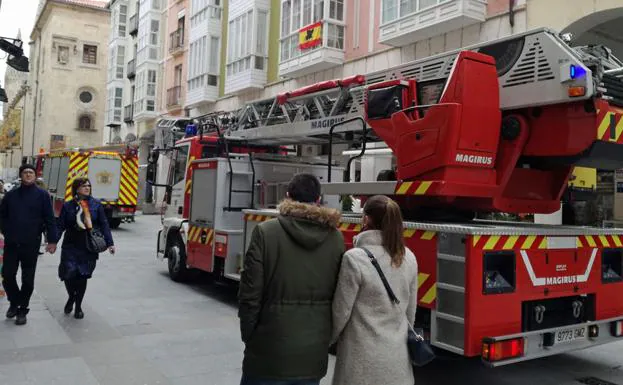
556,312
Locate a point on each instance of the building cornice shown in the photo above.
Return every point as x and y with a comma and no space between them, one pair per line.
42,16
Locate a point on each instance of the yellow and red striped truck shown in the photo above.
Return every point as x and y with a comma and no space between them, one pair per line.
113,172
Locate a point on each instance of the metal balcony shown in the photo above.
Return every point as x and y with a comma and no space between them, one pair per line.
128,113
174,97
132,69
133,24
176,42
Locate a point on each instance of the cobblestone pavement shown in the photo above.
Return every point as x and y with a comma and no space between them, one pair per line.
142,328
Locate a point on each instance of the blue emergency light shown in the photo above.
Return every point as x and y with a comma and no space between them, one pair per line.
191,130
576,72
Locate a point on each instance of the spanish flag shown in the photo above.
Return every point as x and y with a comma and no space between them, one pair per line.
310,36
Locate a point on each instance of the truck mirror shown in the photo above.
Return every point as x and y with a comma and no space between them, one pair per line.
153,156
151,173
167,195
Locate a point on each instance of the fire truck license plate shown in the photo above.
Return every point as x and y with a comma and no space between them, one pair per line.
570,335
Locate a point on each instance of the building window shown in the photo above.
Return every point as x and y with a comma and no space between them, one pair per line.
151,83
336,9
392,10
153,35
89,54
204,9
85,122
120,62
86,97
123,15
63,54
335,36
118,104
243,54
214,51
298,14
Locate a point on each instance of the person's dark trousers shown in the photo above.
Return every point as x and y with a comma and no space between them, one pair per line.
254,381
14,257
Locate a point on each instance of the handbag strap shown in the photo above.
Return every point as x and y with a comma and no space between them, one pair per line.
390,292
376,265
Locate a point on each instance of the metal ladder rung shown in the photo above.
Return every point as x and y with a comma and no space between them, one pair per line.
235,208
240,173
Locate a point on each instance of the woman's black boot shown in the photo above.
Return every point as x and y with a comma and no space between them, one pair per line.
81,288
69,306
71,292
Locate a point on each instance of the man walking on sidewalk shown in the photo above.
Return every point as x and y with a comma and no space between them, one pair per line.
24,213
286,288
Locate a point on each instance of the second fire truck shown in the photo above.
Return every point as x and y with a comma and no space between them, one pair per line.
112,170
495,127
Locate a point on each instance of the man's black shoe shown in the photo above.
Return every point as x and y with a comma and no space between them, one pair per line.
12,312
78,314
21,319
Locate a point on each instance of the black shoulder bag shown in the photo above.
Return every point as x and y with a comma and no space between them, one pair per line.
420,351
95,241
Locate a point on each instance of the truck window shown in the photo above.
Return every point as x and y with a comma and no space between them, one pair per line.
181,159
208,152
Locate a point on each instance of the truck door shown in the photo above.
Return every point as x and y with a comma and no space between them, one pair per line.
105,175
177,179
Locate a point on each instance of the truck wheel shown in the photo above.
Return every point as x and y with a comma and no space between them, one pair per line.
115,223
176,255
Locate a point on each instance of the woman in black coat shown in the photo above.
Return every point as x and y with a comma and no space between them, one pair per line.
78,216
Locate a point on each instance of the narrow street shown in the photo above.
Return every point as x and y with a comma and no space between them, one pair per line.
142,328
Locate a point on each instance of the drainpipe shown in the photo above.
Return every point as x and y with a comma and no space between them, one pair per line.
36,98
511,12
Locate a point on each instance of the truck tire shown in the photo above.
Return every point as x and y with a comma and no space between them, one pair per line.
176,260
114,223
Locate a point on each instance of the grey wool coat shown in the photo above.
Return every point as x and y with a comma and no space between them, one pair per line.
370,330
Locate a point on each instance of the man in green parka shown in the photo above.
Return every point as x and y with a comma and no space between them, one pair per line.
286,290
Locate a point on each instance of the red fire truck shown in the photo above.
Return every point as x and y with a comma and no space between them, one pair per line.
495,127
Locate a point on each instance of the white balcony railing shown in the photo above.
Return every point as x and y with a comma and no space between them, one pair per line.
427,18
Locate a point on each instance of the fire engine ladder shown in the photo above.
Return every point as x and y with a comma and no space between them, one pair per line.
529,70
304,116
240,181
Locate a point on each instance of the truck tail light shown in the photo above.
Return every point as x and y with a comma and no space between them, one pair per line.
127,209
611,265
493,351
499,272
617,328
220,245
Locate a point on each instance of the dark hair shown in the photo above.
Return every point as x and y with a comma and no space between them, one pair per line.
384,213
304,188
77,183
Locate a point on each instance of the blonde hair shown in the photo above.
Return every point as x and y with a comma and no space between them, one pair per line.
385,215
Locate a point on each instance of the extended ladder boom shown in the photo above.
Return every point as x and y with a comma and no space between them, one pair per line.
529,70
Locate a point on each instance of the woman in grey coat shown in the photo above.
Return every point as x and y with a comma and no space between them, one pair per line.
370,330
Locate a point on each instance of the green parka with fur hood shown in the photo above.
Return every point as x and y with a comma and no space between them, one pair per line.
286,290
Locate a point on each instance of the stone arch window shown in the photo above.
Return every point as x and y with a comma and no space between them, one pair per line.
85,122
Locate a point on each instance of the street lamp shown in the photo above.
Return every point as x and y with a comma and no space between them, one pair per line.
16,57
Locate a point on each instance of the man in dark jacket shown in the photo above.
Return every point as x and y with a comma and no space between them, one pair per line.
24,213
286,289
